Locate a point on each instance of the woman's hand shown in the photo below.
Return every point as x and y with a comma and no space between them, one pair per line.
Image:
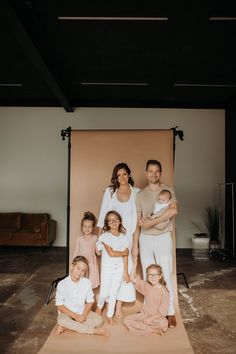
126,277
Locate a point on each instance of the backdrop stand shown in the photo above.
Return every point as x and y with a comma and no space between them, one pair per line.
66,133
180,134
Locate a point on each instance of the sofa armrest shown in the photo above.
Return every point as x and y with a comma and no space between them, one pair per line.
48,230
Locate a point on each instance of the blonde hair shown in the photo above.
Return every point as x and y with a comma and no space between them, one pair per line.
78,259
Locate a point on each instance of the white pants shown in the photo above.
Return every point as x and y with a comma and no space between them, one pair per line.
157,249
110,284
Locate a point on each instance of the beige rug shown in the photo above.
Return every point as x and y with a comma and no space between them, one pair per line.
120,341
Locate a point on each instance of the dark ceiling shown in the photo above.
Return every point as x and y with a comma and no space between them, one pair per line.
118,54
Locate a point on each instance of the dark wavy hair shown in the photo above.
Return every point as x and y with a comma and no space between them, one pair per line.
106,226
114,179
89,216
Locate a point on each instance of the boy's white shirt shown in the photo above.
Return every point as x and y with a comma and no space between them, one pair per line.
74,295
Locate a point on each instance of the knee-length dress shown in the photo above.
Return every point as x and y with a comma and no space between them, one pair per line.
156,303
85,246
128,212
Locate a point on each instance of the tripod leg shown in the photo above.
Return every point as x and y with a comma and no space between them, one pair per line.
53,285
185,279
49,294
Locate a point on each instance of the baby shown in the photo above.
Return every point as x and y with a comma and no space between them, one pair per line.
163,201
162,204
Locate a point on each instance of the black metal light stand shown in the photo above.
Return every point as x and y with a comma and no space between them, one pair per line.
66,133
180,134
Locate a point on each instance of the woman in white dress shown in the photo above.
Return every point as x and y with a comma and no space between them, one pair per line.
120,196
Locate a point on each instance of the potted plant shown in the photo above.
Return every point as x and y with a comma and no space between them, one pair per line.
208,235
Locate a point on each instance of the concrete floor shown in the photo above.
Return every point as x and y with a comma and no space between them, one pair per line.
208,308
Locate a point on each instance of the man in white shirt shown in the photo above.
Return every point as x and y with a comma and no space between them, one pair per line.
74,300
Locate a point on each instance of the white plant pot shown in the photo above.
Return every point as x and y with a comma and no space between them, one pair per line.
200,247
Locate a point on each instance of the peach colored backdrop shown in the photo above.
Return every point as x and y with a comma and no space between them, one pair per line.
95,153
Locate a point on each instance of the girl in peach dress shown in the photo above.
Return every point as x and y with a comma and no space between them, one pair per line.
152,317
85,246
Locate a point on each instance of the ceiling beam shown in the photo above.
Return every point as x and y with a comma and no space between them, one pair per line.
12,23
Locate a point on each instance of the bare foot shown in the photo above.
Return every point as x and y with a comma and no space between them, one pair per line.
119,315
102,331
98,311
111,321
159,331
60,330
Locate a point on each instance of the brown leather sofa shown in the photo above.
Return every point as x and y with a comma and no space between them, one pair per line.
25,229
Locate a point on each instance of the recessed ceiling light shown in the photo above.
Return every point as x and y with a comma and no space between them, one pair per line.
11,85
203,85
115,83
218,18
90,18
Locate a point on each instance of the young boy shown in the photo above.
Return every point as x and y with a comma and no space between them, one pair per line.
74,300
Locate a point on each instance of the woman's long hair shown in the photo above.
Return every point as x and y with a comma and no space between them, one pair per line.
114,179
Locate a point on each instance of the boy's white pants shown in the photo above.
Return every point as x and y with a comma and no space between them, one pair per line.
157,249
110,284
92,321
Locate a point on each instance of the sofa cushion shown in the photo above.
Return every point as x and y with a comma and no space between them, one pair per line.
32,221
9,221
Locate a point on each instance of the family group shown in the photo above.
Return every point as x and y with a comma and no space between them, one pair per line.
131,223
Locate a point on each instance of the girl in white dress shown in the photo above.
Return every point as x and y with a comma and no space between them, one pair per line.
114,265
120,196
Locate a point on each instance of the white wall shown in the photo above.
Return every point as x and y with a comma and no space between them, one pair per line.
33,157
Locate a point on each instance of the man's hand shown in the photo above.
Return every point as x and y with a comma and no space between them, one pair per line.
147,223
